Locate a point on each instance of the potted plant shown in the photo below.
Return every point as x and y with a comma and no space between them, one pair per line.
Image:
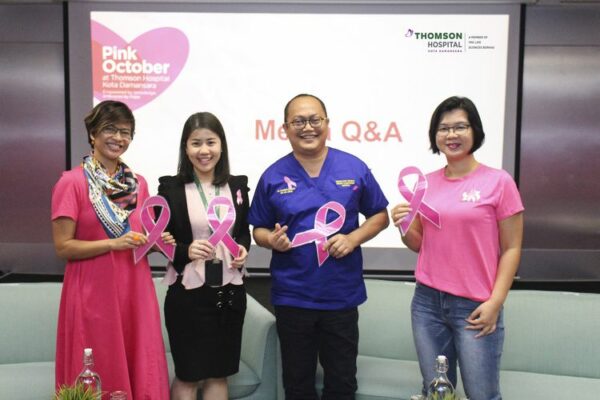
76,392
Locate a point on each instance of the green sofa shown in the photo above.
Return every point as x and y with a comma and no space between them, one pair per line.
28,335
551,350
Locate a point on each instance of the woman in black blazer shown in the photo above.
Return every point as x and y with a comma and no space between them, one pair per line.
206,300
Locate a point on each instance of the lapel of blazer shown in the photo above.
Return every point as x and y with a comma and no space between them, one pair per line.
181,212
233,187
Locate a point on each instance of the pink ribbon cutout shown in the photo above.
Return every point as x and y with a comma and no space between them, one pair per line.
155,229
221,228
322,229
415,200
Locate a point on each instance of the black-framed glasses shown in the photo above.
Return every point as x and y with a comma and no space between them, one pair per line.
459,129
112,130
300,123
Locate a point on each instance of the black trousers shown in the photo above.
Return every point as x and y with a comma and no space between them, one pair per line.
310,335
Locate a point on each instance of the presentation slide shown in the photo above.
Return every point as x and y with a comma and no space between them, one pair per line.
380,76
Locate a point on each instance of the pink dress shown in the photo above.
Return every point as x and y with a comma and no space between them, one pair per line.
108,303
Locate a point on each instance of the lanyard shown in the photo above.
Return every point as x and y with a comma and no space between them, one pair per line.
203,196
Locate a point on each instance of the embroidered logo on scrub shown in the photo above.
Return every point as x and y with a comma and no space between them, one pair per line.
345,182
291,186
471,196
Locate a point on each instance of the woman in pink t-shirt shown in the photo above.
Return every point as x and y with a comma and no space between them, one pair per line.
465,268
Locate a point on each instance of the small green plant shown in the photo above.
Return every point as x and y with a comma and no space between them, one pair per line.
76,392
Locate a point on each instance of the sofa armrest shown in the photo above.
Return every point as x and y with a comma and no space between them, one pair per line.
257,325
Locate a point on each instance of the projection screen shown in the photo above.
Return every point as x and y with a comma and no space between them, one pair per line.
380,69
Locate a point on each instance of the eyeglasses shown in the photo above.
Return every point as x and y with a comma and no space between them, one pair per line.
300,123
112,130
459,129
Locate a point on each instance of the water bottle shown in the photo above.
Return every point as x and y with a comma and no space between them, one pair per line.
89,379
440,387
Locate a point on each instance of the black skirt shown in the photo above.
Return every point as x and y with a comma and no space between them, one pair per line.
205,330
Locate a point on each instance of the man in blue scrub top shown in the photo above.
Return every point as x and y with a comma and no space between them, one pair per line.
316,299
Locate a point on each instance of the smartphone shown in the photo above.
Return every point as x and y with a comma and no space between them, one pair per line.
213,272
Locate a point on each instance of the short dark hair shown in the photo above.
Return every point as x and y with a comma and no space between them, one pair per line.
450,104
203,120
108,112
287,106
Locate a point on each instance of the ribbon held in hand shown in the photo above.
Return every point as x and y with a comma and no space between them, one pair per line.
322,229
221,228
153,229
415,199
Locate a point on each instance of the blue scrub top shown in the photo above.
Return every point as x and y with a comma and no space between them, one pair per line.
287,195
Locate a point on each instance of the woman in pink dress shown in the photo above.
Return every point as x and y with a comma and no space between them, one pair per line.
108,301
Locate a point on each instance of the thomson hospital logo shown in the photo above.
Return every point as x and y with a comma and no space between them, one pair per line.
442,42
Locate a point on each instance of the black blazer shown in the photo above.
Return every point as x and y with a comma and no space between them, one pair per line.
172,188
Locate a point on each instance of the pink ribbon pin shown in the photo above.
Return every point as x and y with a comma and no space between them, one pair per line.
290,183
322,229
155,229
415,200
221,228
239,198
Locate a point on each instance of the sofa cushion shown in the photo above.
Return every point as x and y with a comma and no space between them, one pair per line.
29,312
532,386
27,381
387,307
550,349
381,378
552,333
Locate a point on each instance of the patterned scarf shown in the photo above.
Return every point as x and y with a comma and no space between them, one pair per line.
113,198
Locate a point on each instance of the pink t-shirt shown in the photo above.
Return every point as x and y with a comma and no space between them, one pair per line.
462,257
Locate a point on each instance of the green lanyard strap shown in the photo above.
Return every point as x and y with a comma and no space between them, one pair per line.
203,196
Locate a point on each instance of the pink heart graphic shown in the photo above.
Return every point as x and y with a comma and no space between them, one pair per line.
137,72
